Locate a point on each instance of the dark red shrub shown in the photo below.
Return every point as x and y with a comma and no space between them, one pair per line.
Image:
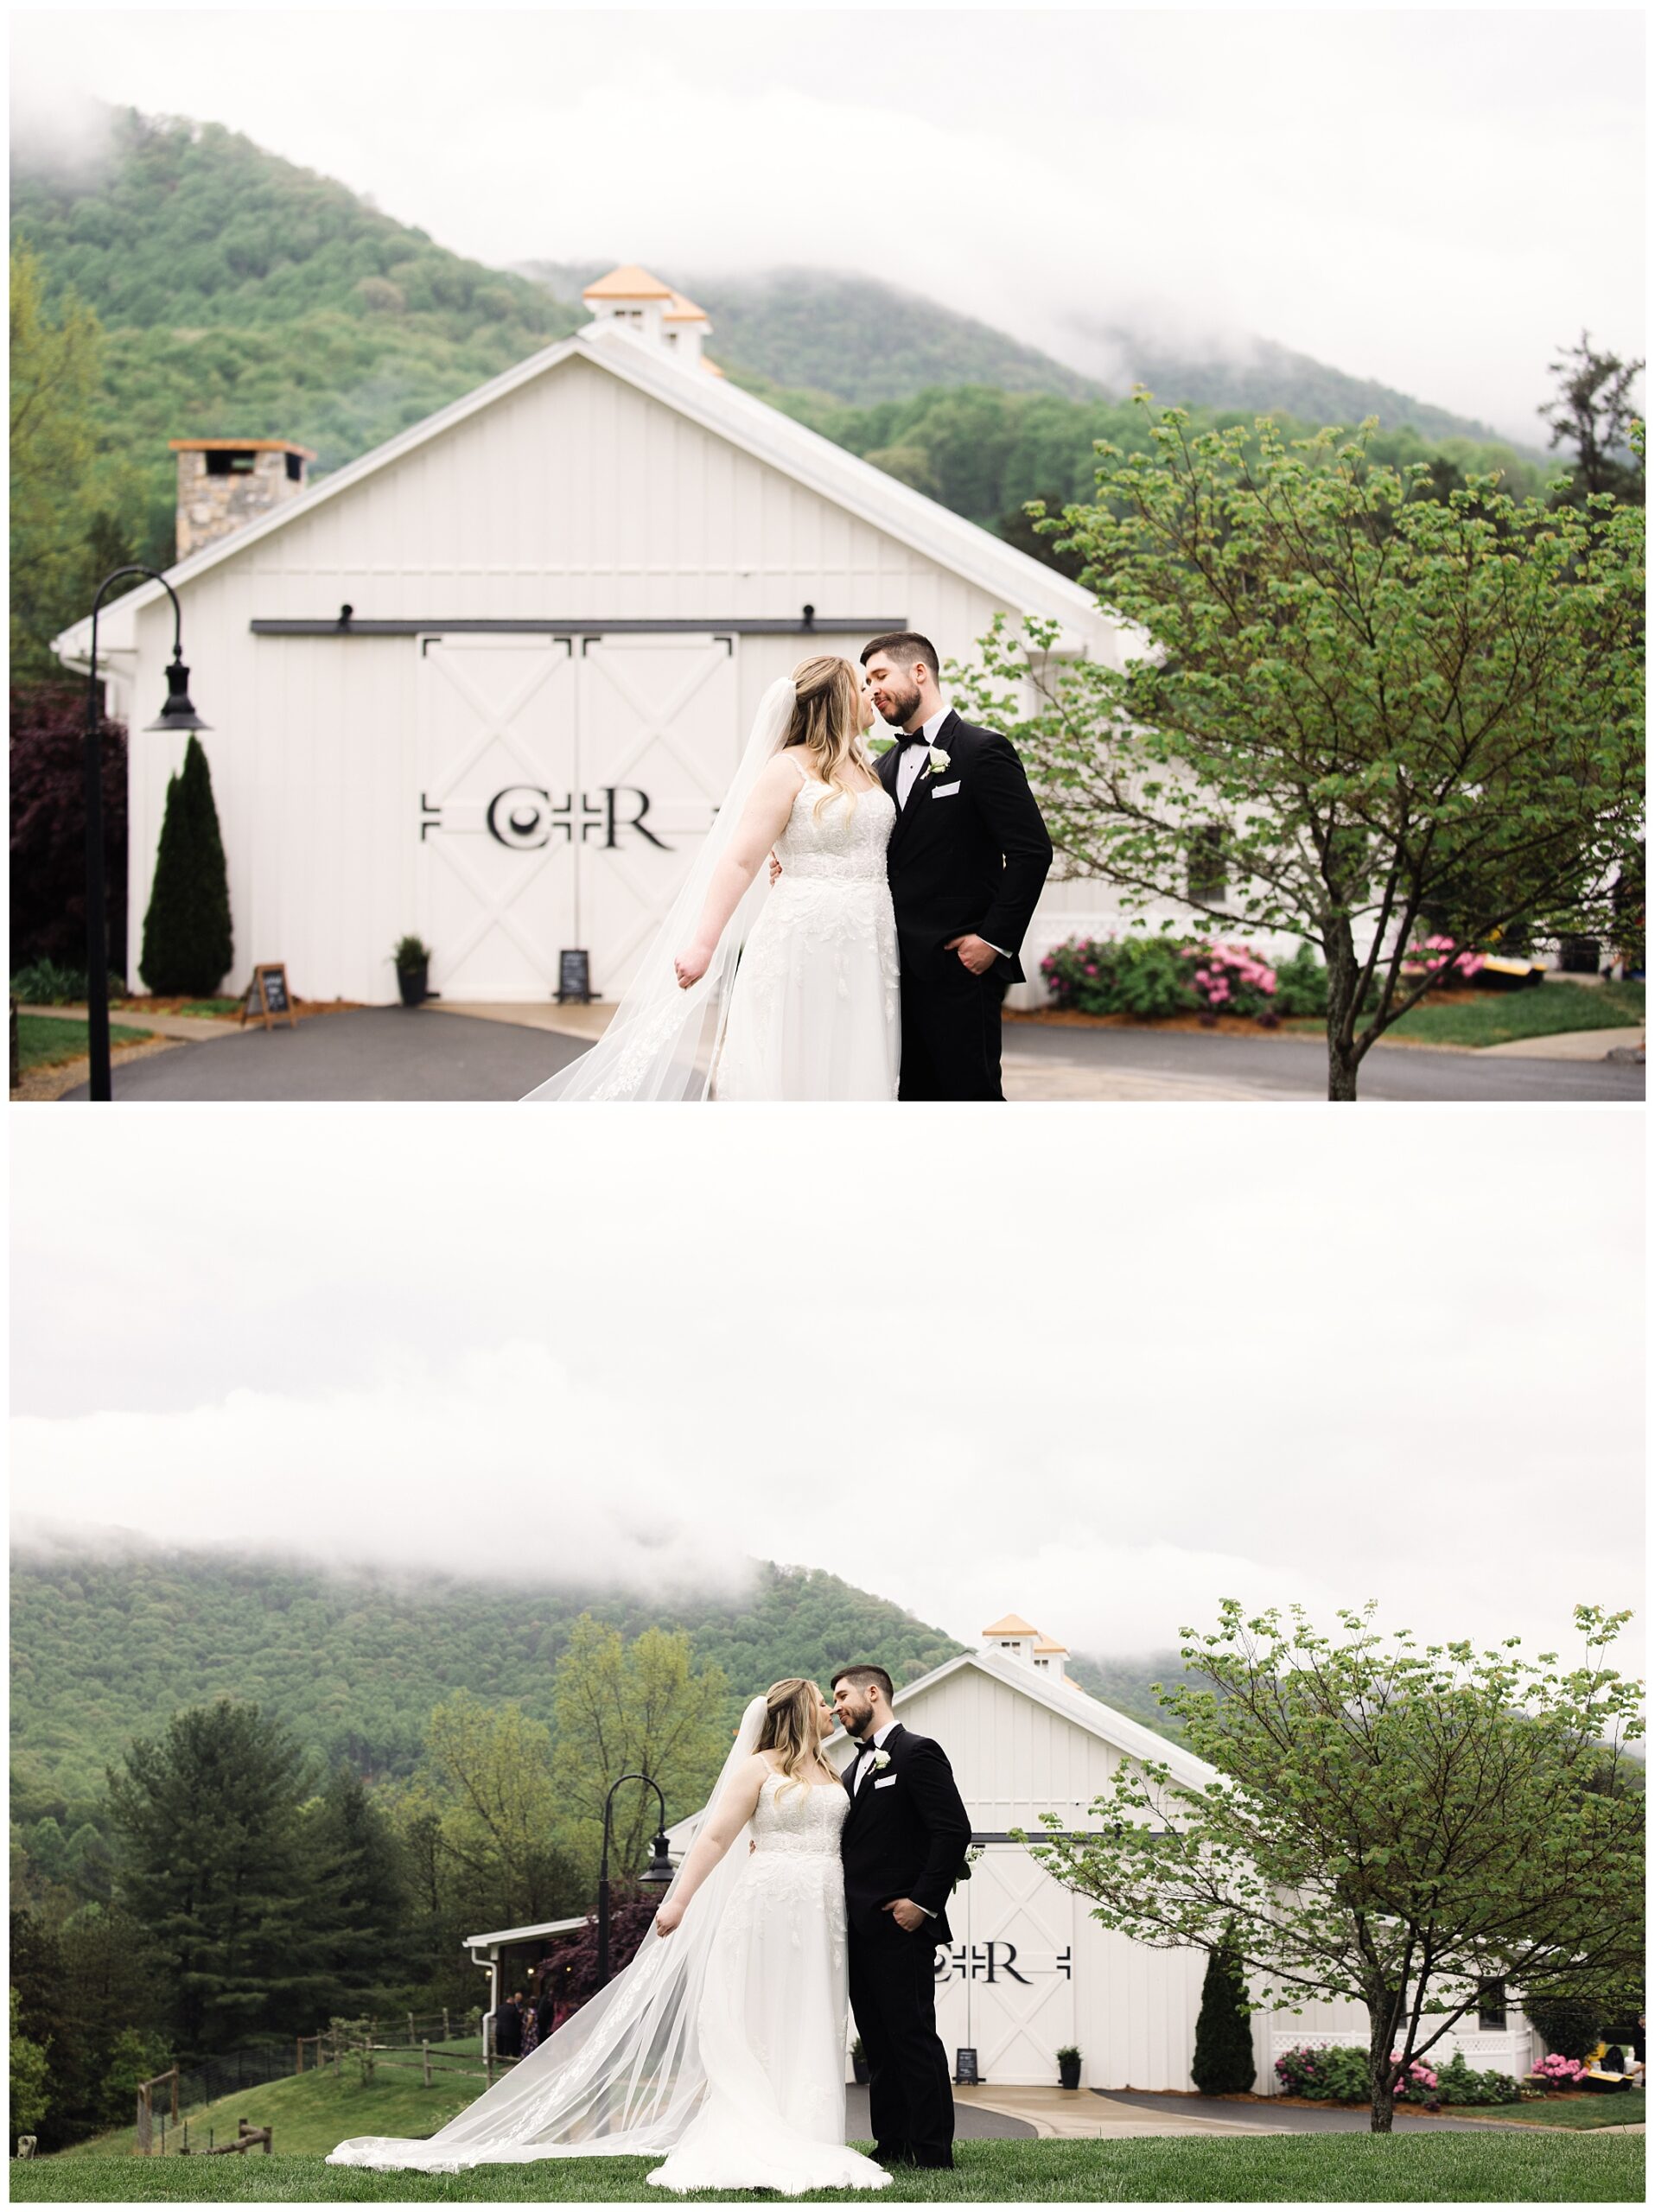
49,828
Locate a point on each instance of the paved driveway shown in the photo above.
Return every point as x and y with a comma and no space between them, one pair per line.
389,1052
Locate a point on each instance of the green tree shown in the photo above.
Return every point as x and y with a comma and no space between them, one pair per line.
216,1871
133,2057
362,1905
1399,711
1593,411
643,1707
188,941
1223,2063
1393,1827
488,1779
56,357
31,2074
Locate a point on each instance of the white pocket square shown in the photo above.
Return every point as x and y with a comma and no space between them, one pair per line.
944,791
885,1782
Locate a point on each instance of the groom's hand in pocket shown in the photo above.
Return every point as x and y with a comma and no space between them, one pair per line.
906,1914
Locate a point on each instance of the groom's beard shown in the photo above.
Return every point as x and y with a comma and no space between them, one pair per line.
902,710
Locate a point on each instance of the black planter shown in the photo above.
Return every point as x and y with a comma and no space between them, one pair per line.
1579,956
859,2068
1068,2073
411,982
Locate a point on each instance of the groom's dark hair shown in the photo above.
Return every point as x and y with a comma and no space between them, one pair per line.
905,647
859,1678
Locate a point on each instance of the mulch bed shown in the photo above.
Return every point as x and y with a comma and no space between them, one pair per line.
302,1008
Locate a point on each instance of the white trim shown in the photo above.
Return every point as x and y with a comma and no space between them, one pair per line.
517,1935
756,428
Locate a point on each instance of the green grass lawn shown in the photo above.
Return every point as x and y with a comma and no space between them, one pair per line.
1492,2168
1502,1017
43,1041
312,2111
1609,2109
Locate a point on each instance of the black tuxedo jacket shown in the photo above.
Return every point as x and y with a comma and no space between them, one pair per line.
972,859
906,1839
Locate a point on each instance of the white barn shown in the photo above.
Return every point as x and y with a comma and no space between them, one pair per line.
485,684
1029,1970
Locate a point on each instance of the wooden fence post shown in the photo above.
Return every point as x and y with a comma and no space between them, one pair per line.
425,2054
411,2028
447,2036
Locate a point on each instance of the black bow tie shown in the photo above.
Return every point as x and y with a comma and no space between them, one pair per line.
905,738
867,1748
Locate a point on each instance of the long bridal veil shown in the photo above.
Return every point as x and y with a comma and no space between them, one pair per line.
663,1041
624,2076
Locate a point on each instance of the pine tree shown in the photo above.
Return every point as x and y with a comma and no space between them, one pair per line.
188,943
1224,2041
361,1908
217,1871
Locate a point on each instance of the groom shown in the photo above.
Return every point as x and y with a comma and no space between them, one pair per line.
966,862
903,1842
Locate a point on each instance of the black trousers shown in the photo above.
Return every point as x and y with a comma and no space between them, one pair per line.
951,1032
893,1996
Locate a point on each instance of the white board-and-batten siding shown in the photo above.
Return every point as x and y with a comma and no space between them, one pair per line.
575,496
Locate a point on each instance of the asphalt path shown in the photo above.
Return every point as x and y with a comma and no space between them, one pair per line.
1296,1067
391,1052
1302,2120
968,2120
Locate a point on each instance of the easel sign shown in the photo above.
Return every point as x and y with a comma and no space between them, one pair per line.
574,978
268,995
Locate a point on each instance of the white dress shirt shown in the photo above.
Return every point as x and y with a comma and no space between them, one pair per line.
912,765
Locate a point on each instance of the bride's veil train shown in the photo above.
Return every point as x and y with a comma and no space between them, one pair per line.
624,2076
663,1041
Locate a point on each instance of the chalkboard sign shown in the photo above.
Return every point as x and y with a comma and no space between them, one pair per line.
268,997
966,2065
574,978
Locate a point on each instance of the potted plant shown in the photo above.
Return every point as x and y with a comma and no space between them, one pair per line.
858,2060
413,960
1068,2067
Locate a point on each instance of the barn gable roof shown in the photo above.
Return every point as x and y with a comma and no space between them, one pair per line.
767,434
1116,1729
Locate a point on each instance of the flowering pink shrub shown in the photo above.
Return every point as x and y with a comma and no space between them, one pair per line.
1231,979
1419,2081
1558,2071
1433,957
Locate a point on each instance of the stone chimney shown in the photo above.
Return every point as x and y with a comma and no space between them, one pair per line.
648,310
225,483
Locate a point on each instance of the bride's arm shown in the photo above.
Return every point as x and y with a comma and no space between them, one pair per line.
719,1830
763,819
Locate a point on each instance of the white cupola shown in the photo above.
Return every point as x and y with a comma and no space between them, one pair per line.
630,298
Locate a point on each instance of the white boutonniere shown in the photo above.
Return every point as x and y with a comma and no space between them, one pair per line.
880,1759
936,761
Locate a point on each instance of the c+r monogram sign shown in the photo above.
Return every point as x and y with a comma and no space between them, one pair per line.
524,817
998,1962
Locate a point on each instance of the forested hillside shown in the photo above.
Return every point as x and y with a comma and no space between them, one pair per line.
242,296
104,1649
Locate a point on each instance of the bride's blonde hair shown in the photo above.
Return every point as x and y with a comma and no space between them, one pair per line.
793,1726
824,721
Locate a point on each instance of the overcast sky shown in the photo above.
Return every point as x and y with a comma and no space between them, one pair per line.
1437,198
1105,1371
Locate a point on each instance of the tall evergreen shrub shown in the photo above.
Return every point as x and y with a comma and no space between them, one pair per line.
187,945
1224,2040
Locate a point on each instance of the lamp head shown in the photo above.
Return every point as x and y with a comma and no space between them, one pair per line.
659,1873
178,713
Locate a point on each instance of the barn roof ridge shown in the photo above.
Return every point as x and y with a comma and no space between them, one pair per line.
843,479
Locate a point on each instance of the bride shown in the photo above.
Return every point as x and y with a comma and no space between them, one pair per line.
723,2043
792,995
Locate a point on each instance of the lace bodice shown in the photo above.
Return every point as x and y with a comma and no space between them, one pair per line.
840,841
789,1818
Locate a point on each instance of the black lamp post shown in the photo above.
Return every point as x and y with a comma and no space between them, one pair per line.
177,714
655,1876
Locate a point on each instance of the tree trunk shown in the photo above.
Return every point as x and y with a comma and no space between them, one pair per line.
1343,979
1384,2009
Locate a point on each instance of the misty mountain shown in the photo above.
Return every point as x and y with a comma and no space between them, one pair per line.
852,339
111,1639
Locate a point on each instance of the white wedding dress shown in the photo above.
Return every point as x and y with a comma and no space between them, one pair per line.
719,2049
772,2013
815,1010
